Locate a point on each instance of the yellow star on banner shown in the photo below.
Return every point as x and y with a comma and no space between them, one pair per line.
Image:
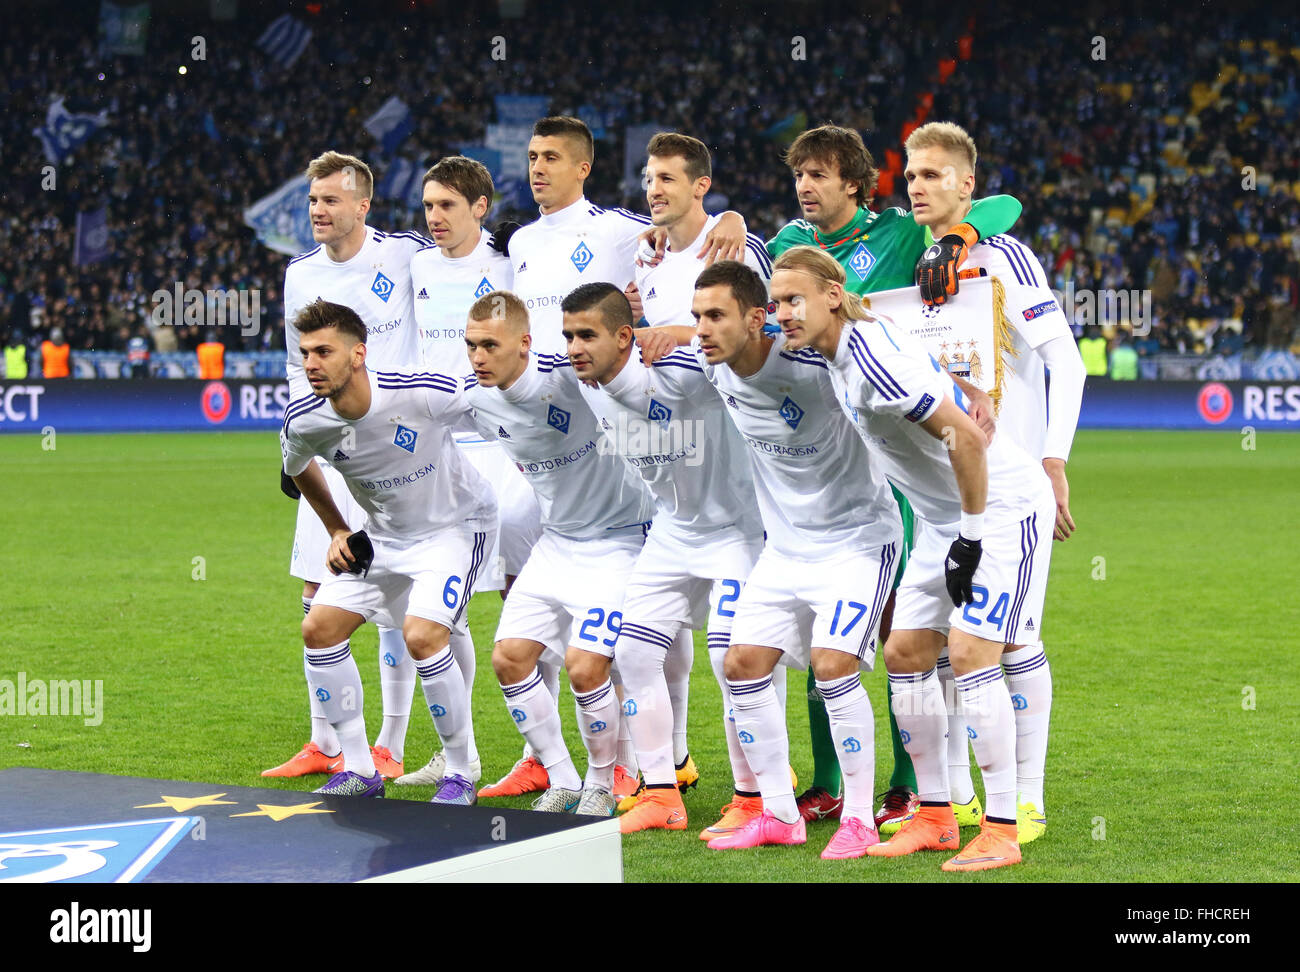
185,804
280,813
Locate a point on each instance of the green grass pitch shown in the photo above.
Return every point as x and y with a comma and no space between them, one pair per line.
1171,630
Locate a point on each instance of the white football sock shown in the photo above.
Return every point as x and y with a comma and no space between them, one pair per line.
335,682
626,751
987,708
532,708
1029,679
853,728
462,646
741,774
551,679
444,692
762,733
322,733
677,673
917,702
598,720
647,706
960,785
396,686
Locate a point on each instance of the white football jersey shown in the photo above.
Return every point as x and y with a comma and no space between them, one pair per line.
668,289
398,459
376,283
445,288
572,246
671,428
545,426
818,489
887,383
1036,317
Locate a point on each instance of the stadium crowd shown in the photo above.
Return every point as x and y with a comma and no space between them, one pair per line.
1130,168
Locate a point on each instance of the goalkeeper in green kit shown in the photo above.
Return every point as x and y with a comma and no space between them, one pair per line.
834,178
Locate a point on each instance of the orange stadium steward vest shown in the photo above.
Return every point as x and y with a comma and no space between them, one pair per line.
54,359
212,360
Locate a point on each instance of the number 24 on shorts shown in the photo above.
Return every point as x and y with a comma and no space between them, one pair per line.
979,598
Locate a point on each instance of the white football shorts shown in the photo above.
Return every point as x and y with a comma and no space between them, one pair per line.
519,515
570,593
796,605
432,578
1009,586
691,581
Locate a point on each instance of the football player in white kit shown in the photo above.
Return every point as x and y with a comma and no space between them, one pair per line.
368,271
707,533
818,588
447,277
595,513
1040,420
428,516
573,241
976,587
678,175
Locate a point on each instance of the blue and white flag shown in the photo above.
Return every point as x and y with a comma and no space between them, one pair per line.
490,157
63,130
512,142
402,183
92,236
521,109
285,39
282,219
390,124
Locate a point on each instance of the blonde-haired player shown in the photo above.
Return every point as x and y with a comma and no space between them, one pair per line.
940,176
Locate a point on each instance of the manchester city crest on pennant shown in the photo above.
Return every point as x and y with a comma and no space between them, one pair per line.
862,261
405,438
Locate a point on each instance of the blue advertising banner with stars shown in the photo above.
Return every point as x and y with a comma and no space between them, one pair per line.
64,827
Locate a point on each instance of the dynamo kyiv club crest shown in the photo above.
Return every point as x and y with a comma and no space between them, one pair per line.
405,438
112,853
382,287
862,261
557,418
791,412
582,257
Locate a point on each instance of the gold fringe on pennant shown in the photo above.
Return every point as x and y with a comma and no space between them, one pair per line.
1002,343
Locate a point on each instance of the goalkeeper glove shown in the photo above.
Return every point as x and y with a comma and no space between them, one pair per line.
959,569
288,486
500,240
936,271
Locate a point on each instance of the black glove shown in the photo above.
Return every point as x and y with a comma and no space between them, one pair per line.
363,553
936,271
288,486
959,569
500,240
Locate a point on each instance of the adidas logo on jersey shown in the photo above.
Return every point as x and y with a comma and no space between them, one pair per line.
422,295
522,267
732,402
650,294
1029,625
502,433
340,456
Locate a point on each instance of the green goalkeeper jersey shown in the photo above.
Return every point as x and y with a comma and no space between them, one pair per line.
878,251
